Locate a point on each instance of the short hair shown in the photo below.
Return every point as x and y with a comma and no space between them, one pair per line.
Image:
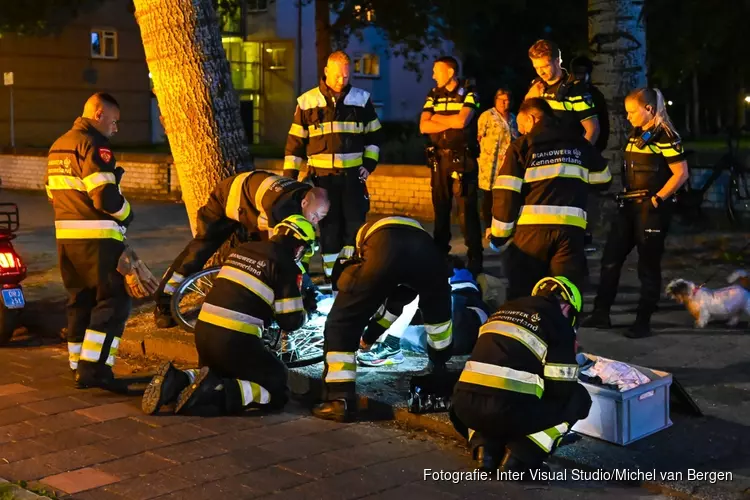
544,48
339,57
537,107
503,91
318,194
107,98
448,61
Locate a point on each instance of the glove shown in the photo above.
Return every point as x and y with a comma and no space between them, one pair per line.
309,300
498,244
139,281
119,172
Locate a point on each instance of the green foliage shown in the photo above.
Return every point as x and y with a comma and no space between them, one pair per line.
41,17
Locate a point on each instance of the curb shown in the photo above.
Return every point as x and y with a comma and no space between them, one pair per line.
17,492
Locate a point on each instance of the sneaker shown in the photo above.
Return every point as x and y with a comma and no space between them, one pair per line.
380,354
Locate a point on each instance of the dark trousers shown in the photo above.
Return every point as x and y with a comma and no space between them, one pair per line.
466,192
485,208
539,251
98,305
644,227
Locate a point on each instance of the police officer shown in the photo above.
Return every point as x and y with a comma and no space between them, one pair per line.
542,188
337,130
258,283
654,162
257,200
519,393
449,118
568,98
395,257
91,214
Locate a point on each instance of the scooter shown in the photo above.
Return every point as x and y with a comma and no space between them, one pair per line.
12,273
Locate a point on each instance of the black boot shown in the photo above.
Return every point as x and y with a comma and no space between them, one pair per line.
89,375
203,391
599,318
512,464
163,317
164,388
486,459
338,410
641,328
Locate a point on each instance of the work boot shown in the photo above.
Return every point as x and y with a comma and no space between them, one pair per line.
89,375
338,410
641,328
164,388
203,391
599,318
163,317
486,460
511,463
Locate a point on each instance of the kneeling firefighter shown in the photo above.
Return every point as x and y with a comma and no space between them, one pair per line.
519,393
259,283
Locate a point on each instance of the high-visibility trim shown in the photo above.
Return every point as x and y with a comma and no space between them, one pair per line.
372,152
339,160
567,105
298,131
235,197
562,169
341,367
501,377
87,229
386,318
347,252
471,99
524,336
669,152
93,342
561,372
429,103
113,349
501,229
551,214
373,126
74,354
439,336
191,374
329,260
313,98
259,195
253,393
174,281
231,320
49,192
124,212
292,162
286,306
602,177
60,182
386,221
450,106
548,438
248,281
98,179
509,182
356,97
335,128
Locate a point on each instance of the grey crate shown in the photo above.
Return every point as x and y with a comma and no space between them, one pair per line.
624,417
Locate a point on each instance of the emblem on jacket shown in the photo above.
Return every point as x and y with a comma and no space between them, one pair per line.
105,154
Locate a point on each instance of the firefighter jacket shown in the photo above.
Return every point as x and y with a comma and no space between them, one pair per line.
258,283
570,100
450,102
647,157
524,350
259,199
333,132
370,228
545,180
82,182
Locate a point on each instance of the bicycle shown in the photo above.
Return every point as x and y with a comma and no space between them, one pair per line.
302,347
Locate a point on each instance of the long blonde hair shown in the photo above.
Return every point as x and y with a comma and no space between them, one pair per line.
653,97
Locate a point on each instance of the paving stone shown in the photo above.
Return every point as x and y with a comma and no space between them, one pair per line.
228,425
351,484
321,466
120,427
285,416
75,458
111,411
129,445
18,399
271,479
191,451
20,450
179,433
164,420
27,470
300,427
12,389
56,405
149,486
97,494
18,414
412,491
18,432
303,446
207,469
381,451
61,421
80,480
68,438
229,487
135,465
241,439
255,457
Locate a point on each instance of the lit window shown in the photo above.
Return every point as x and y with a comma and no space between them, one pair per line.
257,5
367,65
368,16
103,44
276,58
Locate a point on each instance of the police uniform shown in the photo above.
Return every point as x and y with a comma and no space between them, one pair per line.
541,193
91,215
336,134
570,100
397,260
638,224
519,389
257,200
453,160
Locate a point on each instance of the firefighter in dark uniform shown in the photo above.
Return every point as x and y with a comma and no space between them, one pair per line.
259,283
395,260
449,118
91,215
257,200
336,129
654,163
519,393
541,192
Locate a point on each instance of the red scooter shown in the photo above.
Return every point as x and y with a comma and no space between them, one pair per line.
12,273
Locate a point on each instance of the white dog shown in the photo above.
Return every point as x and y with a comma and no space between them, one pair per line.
706,305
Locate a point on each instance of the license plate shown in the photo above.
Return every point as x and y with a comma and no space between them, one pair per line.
13,298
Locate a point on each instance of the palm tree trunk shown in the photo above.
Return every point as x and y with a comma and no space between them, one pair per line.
322,33
193,85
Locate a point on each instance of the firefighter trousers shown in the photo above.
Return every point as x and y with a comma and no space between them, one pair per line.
98,304
539,251
349,206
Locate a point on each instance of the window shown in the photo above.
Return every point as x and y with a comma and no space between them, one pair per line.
257,5
103,44
378,105
367,65
276,58
367,16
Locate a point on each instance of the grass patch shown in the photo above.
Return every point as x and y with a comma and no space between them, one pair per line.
37,489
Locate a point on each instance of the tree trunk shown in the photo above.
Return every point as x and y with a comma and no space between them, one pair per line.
322,33
193,85
696,106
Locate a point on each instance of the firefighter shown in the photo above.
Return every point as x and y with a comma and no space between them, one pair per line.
519,393
449,118
259,283
257,200
91,214
542,188
654,162
395,259
336,128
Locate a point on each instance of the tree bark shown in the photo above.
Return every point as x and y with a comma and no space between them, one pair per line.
193,85
323,35
696,106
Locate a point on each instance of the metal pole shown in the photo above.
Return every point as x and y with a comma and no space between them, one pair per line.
299,47
12,119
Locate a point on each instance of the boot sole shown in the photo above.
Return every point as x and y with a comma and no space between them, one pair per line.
154,397
183,400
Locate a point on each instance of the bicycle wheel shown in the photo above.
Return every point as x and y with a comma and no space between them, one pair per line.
738,198
189,296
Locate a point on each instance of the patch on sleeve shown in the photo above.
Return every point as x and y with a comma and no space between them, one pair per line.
105,154
299,281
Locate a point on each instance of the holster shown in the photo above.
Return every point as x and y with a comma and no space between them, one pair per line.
430,153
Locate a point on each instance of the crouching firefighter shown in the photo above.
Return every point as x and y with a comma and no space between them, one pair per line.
519,393
259,283
257,200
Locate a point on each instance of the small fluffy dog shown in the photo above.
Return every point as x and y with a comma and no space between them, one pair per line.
706,305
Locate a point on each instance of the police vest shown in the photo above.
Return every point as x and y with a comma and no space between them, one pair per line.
647,158
450,102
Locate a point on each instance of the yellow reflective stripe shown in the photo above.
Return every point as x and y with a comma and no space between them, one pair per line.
174,281
57,182
253,393
292,162
429,103
385,318
650,149
347,252
439,336
547,438
509,182
335,128
562,169
550,214
386,221
602,177
285,306
298,131
501,229
231,320
113,349
341,160
98,179
451,106
669,152
568,373
248,281
74,354
341,367
313,98
91,349
524,336
124,212
87,229
259,194
581,106
372,152
235,196
501,377
373,126
555,105
471,99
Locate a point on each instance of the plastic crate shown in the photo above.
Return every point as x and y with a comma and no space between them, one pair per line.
624,417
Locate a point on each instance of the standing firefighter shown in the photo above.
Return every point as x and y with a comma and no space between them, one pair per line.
98,270
519,393
337,130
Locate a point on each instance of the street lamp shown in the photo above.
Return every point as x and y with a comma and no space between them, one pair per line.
669,103
747,99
